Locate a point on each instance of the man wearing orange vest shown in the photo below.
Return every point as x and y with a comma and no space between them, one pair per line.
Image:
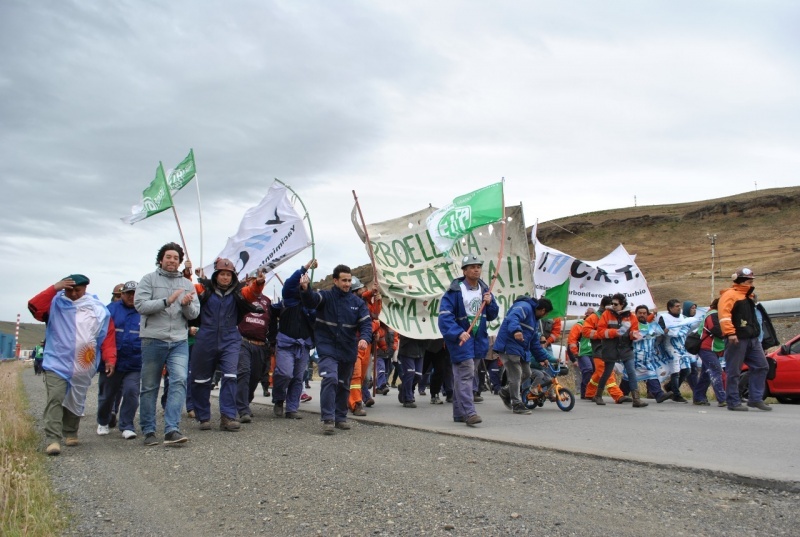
359,395
590,332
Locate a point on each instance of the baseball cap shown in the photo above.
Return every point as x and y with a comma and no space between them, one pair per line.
129,286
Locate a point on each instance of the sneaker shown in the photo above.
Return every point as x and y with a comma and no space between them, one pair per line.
230,424
150,439
448,399
359,410
520,409
205,425
308,386
113,421
409,404
328,427
506,398
701,403
370,402
102,430
477,398
191,414
738,408
173,438
245,418
722,404
305,398
473,420
435,400
423,392
761,405
293,416
127,434
71,441
54,448
343,425
679,398
277,409
384,390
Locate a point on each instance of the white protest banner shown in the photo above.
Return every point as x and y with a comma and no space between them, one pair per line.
269,234
589,280
414,275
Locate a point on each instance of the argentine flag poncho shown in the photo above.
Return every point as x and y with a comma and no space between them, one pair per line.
75,331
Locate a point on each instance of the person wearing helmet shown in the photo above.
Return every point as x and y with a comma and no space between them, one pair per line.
359,390
224,301
166,301
740,327
466,307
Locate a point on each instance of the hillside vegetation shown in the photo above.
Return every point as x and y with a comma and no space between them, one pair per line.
760,230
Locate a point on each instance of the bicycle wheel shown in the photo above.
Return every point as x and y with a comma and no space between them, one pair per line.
565,399
529,400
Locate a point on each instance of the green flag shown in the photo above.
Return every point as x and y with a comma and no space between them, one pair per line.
182,174
467,212
558,295
155,198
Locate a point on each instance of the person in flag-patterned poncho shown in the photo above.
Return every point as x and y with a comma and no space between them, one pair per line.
79,330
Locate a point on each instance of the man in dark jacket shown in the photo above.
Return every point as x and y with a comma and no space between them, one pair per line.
128,372
340,316
467,298
519,335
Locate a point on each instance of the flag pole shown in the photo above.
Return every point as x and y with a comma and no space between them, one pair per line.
499,260
199,208
375,279
307,217
174,211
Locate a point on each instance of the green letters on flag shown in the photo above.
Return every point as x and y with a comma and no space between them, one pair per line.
559,296
182,174
467,212
155,198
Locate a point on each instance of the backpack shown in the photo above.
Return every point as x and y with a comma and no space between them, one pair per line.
692,343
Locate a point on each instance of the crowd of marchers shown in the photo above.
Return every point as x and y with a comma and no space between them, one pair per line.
183,334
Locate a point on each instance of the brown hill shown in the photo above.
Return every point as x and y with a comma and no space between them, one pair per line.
673,248
30,334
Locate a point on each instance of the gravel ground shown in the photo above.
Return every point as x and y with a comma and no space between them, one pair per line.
282,477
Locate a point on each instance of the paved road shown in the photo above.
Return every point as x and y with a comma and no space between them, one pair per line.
706,438
425,476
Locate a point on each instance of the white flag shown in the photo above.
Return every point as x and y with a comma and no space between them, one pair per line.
269,234
589,280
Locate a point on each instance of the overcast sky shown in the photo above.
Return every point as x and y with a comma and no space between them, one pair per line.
579,105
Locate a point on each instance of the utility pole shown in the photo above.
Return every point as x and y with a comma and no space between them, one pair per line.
713,239
634,201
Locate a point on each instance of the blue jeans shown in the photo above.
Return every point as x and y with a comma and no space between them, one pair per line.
630,369
586,366
334,391
747,351
155,354
711,375
125,384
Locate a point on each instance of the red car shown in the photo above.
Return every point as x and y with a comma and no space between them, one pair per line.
785,383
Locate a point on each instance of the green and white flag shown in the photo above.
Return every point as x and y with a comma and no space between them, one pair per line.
155,198
182,174
467,212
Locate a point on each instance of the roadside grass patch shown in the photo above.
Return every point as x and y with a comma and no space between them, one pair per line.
28,505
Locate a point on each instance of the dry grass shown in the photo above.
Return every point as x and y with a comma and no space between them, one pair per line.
28,505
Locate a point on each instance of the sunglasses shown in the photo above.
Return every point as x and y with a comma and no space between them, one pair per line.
615,303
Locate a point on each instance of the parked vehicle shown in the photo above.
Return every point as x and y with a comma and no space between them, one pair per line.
783,381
